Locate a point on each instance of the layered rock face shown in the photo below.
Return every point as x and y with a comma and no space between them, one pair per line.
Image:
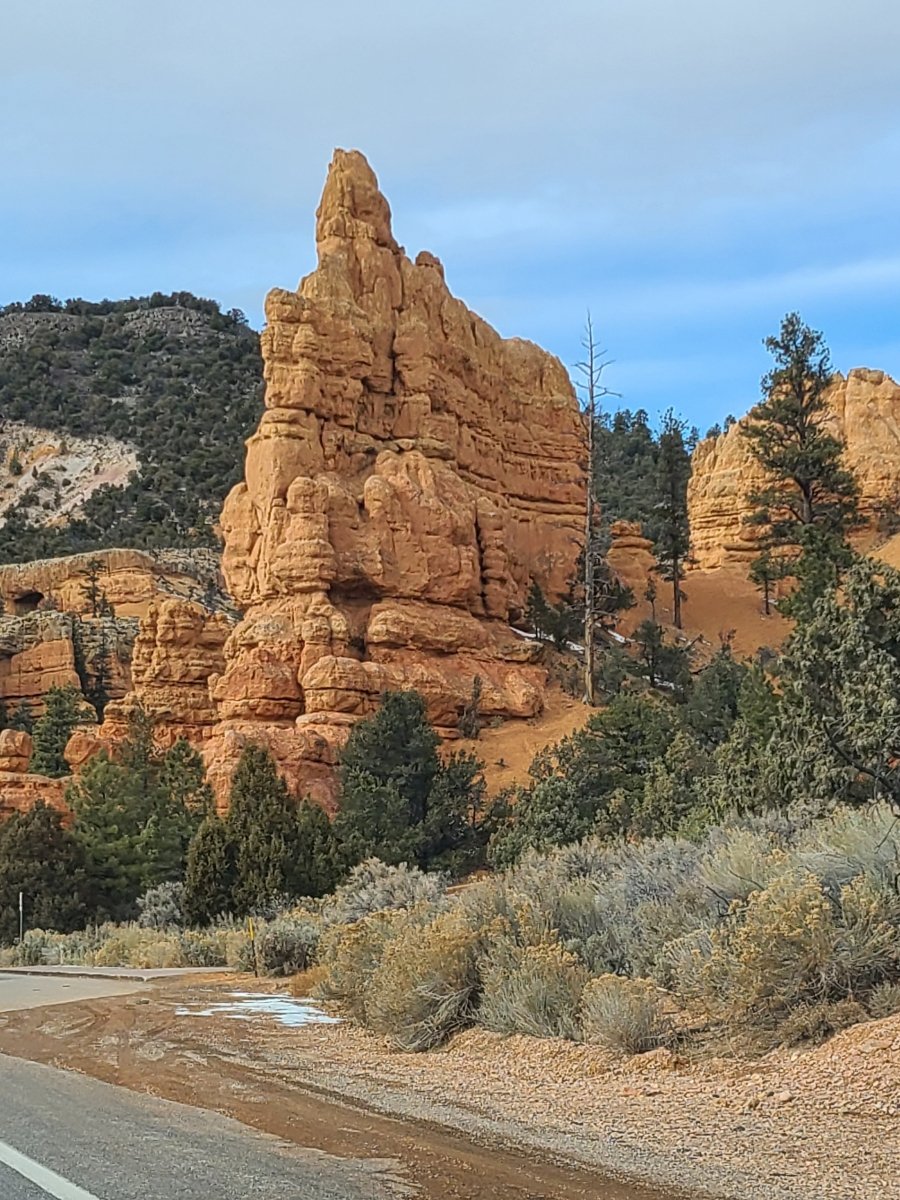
20,791
40,651
179,647
412,473
866,416
130,580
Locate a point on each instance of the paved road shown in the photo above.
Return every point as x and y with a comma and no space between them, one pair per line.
72,1138
19,991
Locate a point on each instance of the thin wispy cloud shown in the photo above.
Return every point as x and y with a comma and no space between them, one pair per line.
689,171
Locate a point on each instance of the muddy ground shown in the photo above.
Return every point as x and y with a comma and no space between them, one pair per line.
515,1117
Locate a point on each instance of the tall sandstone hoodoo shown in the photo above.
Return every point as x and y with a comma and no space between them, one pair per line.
865,411
412,473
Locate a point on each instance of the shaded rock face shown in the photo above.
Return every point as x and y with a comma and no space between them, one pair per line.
866,416
40,651
412,473
179,647
130,580
20,791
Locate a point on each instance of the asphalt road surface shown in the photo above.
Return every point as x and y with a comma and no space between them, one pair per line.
72,1138
18,991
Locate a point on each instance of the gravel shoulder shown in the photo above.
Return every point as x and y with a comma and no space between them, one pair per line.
822,1124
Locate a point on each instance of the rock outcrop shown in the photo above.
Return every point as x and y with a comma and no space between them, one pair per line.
412,473
129,579
20,791
47,639
866,416
49,649
179,647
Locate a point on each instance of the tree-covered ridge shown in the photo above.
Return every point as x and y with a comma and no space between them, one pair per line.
172,375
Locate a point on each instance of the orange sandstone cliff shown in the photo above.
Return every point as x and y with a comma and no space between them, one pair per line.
412,473
866,416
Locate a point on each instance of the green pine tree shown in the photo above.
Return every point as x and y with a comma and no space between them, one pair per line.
63,710
318,866
765,572
262,824
810,502
665,664
840,692
210,874
398,801
40,858
592,781
22,718
711,708
672,543
136,816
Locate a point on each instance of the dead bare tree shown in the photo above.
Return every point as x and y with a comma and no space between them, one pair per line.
591,386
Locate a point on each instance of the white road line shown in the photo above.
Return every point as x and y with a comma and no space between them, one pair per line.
47,1180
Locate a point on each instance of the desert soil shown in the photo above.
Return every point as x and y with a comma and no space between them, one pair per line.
822,1123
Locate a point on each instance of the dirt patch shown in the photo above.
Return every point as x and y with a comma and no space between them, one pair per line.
508,750
811,1125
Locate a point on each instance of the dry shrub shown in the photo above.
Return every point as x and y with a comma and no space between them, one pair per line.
788,946
307,983
884,1000
815,1023
624,1015
350,954
288,944
373,886
532,989
421,990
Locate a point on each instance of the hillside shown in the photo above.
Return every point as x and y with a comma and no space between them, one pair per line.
122,423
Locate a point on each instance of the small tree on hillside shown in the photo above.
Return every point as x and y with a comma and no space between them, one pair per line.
94,595
810,502
63,710
665,663
673,541
765,572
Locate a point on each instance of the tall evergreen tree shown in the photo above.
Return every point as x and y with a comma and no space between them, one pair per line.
840,683
210,874
91,589
711,709
398,801
40,858
263,826
810,502
63,709
672,545
136,816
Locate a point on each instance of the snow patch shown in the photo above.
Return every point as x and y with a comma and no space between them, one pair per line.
245,1006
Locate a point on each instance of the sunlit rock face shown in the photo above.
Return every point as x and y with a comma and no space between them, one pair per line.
865,415
412,473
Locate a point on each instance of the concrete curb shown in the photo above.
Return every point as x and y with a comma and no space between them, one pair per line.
134,974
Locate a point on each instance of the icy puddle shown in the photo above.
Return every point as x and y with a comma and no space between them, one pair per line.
246,1006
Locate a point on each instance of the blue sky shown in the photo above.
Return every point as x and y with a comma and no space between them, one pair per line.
690,172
